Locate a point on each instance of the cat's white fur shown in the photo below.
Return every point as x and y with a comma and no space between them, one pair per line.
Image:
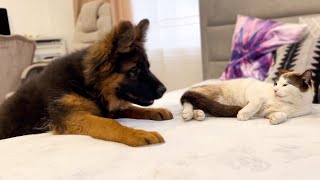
188,113
259,99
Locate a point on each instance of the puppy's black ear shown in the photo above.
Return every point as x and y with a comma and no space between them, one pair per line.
307,77
141,30
124,36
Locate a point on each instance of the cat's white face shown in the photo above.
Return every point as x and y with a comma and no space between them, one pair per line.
284,90
293,85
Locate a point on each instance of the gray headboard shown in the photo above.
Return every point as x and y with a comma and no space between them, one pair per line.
217,19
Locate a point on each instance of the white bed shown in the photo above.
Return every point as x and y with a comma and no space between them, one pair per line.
217,148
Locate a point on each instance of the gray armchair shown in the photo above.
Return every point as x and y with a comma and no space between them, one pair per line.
16,53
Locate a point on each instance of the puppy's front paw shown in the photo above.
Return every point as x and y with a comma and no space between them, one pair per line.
243,115
142,138
277,118
187,114
160,114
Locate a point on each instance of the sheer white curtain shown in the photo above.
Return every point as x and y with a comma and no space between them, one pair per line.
173,41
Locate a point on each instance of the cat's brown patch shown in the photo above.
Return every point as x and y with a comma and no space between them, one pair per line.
211,91
209,105
283,71
302,81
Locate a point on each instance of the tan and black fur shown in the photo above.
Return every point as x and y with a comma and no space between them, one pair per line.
82,92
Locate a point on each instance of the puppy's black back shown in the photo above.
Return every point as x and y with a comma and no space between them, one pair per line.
26,111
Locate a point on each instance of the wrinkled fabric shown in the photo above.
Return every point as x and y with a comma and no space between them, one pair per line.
252,45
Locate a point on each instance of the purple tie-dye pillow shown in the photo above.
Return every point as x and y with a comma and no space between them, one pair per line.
252,45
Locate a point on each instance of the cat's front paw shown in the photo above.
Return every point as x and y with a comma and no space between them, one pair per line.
277,118
199,115
187,114
243,115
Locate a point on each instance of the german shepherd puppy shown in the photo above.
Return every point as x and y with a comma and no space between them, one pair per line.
80,93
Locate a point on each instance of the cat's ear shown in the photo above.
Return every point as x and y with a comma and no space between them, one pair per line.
283,71
307,77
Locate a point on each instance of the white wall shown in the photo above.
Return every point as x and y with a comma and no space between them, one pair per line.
177,71
41,17
173,40
62,19
55,18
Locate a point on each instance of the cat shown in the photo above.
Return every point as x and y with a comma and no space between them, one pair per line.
291,96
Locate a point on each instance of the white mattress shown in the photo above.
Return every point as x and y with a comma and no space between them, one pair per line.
217,148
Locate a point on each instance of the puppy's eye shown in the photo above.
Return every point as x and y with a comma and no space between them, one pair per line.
275,84
285,85
134,71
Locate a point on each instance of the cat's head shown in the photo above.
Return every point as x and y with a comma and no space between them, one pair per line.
292,85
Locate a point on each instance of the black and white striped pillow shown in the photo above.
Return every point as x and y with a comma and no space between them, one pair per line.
298,57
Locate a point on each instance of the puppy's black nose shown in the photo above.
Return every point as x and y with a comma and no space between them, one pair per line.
160,91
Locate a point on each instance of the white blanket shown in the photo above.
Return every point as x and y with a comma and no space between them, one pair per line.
217,148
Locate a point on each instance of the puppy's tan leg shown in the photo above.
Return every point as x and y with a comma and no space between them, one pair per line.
73,114
108,129
145,113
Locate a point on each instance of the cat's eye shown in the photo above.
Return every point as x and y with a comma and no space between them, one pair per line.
275,84
285,85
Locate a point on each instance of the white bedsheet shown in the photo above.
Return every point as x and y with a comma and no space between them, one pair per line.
217,148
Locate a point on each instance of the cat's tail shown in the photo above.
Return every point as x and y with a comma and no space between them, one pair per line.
200,101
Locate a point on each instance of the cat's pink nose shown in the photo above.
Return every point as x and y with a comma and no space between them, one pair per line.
275,90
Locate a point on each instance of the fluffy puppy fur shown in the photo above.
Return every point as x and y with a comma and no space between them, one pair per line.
80,93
